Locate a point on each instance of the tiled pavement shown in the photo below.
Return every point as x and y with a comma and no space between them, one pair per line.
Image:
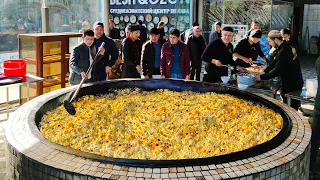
308,67
308,71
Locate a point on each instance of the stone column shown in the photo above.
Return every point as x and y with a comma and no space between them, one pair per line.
200,18
191,13
44,18
105,15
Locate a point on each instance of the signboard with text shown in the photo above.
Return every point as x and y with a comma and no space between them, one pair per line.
174,13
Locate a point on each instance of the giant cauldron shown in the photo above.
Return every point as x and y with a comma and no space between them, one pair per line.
31,156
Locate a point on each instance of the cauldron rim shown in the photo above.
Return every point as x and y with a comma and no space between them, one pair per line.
176,85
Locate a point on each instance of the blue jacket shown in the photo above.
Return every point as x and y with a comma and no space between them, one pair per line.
110,56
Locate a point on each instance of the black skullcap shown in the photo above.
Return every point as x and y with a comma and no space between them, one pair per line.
98,23
285,31
154,31
228,28
255,33
195,24
134,28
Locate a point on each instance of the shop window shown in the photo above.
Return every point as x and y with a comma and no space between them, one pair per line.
71,16
16,17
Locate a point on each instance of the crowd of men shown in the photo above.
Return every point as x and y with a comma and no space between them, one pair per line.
173,58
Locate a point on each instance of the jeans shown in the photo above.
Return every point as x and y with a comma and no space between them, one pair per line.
176,76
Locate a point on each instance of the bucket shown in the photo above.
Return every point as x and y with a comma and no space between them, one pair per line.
312,86
15,67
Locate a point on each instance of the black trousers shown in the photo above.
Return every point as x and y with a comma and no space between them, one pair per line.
196,70
129,72
211,78
156,71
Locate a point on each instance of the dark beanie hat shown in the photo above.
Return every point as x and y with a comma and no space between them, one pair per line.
134,28
154,31
228,28
195,24
255,33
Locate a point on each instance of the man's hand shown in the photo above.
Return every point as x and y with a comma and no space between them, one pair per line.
163,77
216,62
187,77
241,69
247,60
257,77
108,69
139,69
83,75
102,50
146,77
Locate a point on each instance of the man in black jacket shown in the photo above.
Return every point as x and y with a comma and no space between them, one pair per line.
151,53
245,50
131,52
143,32
103,67
217,54
255,26
285,33
315,144
284,66
196,45
82,57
